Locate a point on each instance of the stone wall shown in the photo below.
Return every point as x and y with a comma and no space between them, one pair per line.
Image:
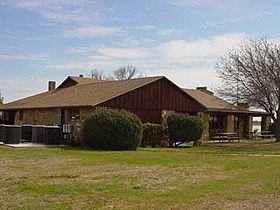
266,122
229,125
52,116
38,117
86,112
250,127
205,119
164,115
77,125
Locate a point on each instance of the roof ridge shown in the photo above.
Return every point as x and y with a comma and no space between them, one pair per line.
124,80
83,77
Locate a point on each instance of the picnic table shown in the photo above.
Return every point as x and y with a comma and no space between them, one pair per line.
265,135
229,136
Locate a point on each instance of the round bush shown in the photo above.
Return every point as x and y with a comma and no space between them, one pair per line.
112,130
152,135
183,128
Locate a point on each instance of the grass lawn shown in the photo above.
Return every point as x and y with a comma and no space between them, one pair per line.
243,175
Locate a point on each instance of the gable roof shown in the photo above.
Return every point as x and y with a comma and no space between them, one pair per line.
84,93
210,101
71,80
216,104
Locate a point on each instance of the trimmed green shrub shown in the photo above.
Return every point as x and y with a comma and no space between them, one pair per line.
152,135
112,130
183,128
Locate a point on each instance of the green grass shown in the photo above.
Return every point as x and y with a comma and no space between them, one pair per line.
242,175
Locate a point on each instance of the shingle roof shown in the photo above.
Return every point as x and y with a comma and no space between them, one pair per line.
84,93
215,104
71,80
210,101
85,80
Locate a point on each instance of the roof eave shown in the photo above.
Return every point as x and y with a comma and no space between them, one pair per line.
248,112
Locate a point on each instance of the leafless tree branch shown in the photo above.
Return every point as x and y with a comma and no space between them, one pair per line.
126,72
99,74
251,73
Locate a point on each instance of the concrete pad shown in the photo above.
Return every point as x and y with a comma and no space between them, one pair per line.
30,144
26,144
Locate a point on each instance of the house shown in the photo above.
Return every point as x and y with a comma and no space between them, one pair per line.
151,98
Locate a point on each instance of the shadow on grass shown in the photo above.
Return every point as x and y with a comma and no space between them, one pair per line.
84,148
245,146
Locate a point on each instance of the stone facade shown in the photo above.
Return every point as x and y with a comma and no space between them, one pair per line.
229,124
250,127
38,117
164,115
86,112
51,116
205,119
266,122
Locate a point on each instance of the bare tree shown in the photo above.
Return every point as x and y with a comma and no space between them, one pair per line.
1,98
251,73
99,74
126,72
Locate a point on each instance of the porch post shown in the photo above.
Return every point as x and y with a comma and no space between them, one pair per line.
250,127
16,120
229,123
205,119
266,121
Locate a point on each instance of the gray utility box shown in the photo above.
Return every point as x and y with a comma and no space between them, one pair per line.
26,132
12,134
52,135
67,131
38,133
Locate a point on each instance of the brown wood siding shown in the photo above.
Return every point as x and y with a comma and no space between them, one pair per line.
148,101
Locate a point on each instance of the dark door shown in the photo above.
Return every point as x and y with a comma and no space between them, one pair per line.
62,116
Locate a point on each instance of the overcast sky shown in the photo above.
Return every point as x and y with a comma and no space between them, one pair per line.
181,39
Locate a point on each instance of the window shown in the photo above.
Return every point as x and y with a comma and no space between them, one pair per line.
73,114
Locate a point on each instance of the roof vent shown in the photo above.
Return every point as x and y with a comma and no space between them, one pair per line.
81,75
204,89
51,85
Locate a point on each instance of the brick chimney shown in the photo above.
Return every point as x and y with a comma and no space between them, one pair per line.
51,85
204,89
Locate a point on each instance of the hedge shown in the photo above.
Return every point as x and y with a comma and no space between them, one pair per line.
152,135
112,130
183,128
